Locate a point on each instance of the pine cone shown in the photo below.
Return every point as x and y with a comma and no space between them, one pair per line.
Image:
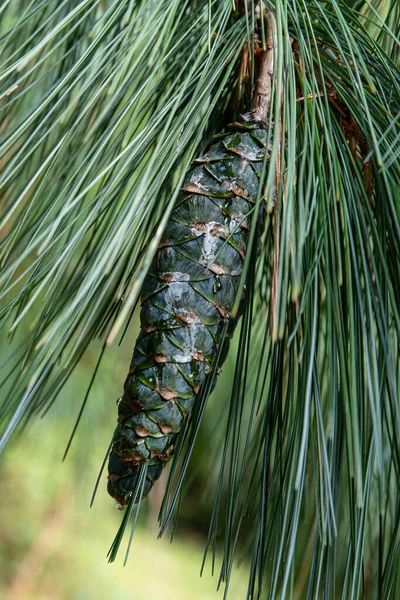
187,297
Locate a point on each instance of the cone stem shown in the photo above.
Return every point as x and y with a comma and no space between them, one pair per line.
263,89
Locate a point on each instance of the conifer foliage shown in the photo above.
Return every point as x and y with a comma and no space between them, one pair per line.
104,108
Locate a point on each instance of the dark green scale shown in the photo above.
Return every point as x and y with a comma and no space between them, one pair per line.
186,298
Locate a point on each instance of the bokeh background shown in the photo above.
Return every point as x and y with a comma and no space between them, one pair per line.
53,545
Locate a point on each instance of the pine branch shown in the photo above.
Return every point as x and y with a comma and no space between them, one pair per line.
103,107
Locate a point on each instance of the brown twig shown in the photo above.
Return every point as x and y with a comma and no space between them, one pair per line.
260,110
262,93
261,107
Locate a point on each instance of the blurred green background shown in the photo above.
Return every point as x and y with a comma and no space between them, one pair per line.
53,545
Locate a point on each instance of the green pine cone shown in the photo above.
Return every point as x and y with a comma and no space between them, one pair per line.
186,300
